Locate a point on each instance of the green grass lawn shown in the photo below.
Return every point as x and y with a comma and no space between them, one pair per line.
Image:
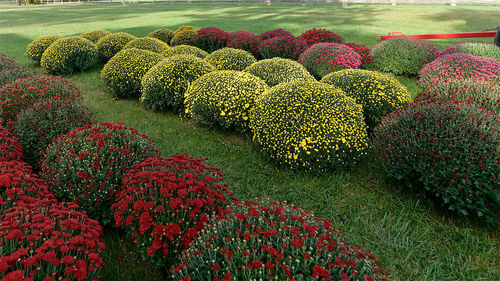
411,237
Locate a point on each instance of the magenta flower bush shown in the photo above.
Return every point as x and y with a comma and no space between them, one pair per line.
211,38
246,41
313,36
274,33
288,47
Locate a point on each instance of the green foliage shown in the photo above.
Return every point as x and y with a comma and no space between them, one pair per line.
69,55
230,59
377,93
164,34
95,35
310,125
111,44
164,84
278,70
123,73
476,49
224,98
36,48
148,44
185,50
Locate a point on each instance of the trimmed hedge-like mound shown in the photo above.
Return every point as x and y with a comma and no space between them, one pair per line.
35,49
184,35
279,70
111,44
123,73
95,35
377,93
211,39
164,34
363,51
224,98
274,33
476,49
164,84
313,36
288,47
69,55
148,44
230,59
10,148
310,125
245,41
185,50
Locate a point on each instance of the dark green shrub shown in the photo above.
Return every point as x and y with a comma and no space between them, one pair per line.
278,70
163,34
69,55
185,50
148,44
111,44
230,59
35,49
95,35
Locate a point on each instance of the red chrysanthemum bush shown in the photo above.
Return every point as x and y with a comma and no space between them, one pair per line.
363,51
10,148
323,58
86,165
49,241
274,33
313,36
267,240
245,41
12,73
448,148
211,39
289,47
46,120
463,66
484,94
166,202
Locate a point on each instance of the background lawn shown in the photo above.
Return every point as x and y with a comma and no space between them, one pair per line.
411,237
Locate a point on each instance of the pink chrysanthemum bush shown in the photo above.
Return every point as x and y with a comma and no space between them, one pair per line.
49,241
10,148
211,39
463,66
450,149
44,121
484,94
274,33
403,56
476,49
323,58
166,202
289,47
267,240
245,41
363,51
86,165
313,36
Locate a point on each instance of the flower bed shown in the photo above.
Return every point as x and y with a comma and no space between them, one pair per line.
35,49
230,59
69,55
10,148
288,47
278,70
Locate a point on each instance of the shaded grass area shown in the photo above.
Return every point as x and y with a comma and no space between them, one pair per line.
412,238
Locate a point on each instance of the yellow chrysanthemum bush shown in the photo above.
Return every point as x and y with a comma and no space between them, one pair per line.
123,73
379,94
164,34
69,55
184,35
224,98
148,44
310,125
95,35
164,84
278,70
111,44
185,50
35,49
231,59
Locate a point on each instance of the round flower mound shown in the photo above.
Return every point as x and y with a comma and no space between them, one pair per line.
49,241
8,74
310,125
10,148
164,85
184,28
484,94
86,165
95,35
476,49
148,44
36,48
166,202
268,240
49,84
313,36
69,55
403,56
448,148
324,58
245,41
230,59
279,70
211,39
224,98
19,184
123,73
377,93
46,120
185,50
463,66
274,33
288,47
111,44
184,36
363,51
163,34
6,61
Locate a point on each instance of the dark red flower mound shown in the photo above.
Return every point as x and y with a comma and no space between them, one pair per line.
449,149
274,33
10,149
245,41
166,202
288,47
211,39
18,183
86,165
49,241
267,240
363,51
313,36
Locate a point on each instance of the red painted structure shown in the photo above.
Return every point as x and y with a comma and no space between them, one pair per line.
440,35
